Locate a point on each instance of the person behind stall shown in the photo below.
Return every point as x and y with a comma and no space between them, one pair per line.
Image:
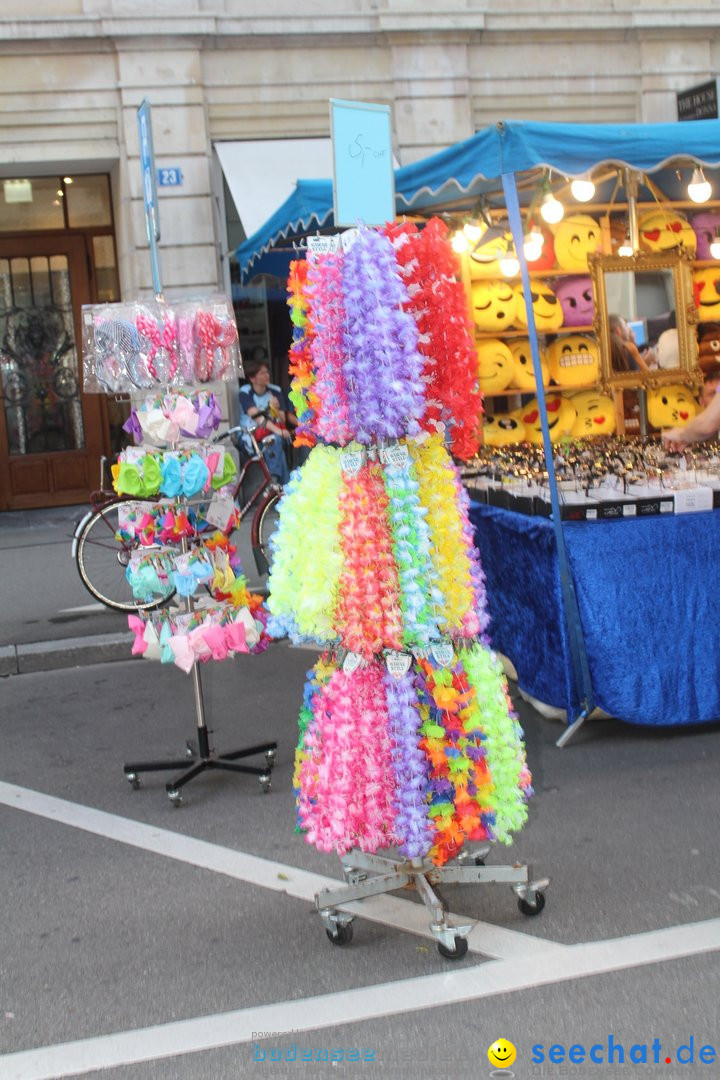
703,426
623,348
263,406
710,386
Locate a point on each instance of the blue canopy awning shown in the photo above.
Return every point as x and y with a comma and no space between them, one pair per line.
470,167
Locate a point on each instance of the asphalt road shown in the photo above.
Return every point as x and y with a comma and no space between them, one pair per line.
181,952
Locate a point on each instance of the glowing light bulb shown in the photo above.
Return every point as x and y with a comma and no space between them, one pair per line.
699,188
551,210
715,248
474,233
582,189
509,265
626,248
533,245
459,242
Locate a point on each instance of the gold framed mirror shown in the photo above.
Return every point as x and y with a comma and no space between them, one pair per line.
650,298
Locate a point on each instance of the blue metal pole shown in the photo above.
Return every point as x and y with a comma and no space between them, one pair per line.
582,698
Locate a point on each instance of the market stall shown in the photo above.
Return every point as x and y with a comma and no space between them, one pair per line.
507,189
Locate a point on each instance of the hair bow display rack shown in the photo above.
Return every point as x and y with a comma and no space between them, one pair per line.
206,758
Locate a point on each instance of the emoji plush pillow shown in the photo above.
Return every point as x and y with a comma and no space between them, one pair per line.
524,374
662,229
494,305
705,226
576,300
502,430
496,366
595,414
546,309
671,406
573,360
706,289
561,417
575,237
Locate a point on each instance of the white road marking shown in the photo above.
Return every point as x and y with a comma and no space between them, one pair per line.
82,609
353,1006
487,939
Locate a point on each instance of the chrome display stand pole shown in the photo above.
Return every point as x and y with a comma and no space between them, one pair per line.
373,875
206,757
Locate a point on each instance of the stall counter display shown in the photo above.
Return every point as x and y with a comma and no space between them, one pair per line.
408,741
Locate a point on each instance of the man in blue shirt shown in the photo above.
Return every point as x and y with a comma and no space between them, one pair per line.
263,404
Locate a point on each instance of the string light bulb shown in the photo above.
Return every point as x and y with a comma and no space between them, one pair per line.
626,248
715,245
582,188
459,242
699,188
474,232
551,210
509,263
533,245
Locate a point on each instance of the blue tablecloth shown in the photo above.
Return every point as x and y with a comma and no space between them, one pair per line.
649,598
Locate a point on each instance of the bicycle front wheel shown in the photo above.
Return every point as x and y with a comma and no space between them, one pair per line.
101,561
265,523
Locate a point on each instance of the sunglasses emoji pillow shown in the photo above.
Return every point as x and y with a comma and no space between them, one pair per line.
546,307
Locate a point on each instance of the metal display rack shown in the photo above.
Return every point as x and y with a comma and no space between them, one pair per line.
373,875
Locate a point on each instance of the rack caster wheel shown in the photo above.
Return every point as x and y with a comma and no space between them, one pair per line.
532,907
133,779
341,935
174,796
265,782
461,947
270,756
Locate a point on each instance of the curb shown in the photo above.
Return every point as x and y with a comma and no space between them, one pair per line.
65,653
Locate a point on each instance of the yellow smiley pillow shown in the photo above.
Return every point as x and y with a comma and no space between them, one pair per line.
494,305
662,229
706,289
595,414
576,237
545,304
561,417
524,375
573,360
671,406
502,430
495,365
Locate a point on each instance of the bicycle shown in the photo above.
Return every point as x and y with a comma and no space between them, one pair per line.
102,555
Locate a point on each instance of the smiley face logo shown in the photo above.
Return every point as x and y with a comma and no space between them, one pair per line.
502,1054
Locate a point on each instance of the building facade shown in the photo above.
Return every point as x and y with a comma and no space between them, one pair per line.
215,71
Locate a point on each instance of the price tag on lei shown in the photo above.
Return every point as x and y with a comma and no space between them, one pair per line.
182,561
443,653
396,455
323,245
352,662
398,663
348,238
352,461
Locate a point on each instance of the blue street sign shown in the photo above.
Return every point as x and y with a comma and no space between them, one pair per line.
363,177
147,162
